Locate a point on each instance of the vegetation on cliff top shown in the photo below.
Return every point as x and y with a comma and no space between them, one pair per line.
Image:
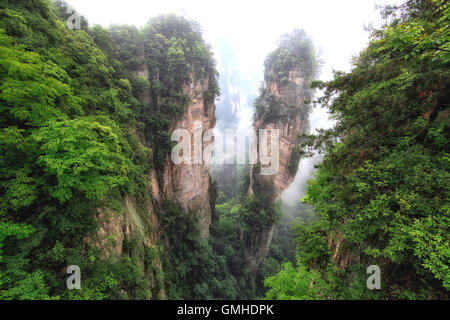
383,185
294,56
71,128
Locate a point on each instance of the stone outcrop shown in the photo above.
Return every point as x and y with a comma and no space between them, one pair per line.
189,184
281,106
342,257
117,228
256,245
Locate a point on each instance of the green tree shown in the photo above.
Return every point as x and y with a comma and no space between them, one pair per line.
384,182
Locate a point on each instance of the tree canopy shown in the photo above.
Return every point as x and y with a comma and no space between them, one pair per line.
383,186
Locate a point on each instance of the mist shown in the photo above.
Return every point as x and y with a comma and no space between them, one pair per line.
241,34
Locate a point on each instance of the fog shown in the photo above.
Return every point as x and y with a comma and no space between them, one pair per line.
242,33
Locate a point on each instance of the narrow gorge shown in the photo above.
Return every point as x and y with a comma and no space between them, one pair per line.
119,181
163,230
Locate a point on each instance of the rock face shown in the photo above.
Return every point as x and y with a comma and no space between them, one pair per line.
281,106
125,227
256,245
342,257
189,184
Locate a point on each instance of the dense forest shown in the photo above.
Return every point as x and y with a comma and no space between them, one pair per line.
381,193
86,118
75,138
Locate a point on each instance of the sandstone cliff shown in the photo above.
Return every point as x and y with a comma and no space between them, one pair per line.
283,105
281,108
186,184
189,184
172,78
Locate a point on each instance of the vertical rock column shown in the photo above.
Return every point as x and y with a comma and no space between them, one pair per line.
280,107
189,184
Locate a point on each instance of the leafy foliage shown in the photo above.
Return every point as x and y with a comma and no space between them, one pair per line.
73,117
294,284
295,51
84,156
384,182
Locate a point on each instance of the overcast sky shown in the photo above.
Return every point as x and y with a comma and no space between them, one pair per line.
253,27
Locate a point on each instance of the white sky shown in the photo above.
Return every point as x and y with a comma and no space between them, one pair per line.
336,26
